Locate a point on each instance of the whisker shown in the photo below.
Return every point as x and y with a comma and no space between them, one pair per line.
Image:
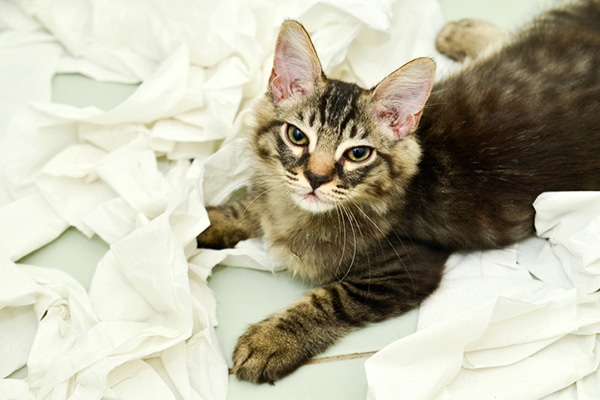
351,219
261,194
226,193
342,226
386,236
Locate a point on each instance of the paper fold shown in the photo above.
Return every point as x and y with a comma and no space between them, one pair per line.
493,322
138,176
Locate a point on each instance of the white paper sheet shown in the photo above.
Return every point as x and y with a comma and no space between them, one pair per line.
493,331
145,329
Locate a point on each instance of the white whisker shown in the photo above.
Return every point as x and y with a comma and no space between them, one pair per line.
384,235
352,221
261,194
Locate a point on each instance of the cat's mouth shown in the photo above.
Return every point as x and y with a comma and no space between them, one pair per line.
313,201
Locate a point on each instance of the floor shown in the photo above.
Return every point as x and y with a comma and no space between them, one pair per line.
337,374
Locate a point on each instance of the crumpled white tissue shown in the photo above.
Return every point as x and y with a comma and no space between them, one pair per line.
495,331
138,176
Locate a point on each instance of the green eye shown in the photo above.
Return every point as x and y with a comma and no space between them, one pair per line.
296,136
358,154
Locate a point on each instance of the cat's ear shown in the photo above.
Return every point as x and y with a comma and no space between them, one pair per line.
296,66
398,100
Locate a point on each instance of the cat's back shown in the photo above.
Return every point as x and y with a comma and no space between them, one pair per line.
519,122
548,73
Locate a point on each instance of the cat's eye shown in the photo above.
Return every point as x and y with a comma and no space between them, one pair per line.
358,154
296,136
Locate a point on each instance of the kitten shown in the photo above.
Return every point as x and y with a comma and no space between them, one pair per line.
367,192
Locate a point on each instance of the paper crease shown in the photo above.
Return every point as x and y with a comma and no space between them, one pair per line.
138,176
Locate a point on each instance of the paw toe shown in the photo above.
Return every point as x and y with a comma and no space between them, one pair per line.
265,354
467,38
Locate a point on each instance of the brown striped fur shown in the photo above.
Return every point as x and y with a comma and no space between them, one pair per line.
457,173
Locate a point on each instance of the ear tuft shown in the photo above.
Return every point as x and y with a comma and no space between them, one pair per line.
296,66
397,101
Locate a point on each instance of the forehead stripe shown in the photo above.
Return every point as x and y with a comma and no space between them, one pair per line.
311,118
342,101
323,104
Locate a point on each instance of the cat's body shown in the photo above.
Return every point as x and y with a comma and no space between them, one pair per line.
520,122
367,192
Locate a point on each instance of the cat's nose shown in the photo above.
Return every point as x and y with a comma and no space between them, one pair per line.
316,180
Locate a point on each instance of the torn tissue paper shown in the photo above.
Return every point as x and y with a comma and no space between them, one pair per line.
138,176
495,331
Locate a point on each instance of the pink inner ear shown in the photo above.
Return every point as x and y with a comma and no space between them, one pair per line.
282,89
399,99
278,88
296,66
400,123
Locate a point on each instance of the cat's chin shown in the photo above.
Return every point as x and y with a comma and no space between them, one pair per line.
312,203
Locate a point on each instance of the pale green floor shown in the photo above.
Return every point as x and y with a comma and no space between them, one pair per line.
341,375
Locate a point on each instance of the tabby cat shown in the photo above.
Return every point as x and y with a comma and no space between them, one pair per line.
367,192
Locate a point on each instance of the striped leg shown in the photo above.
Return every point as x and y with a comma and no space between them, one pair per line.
275,347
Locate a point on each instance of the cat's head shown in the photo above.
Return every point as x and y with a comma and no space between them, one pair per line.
332,144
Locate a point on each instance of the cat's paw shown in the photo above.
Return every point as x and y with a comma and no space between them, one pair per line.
267,352
225,229
215,238
468,38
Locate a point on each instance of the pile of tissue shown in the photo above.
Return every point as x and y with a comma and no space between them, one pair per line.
517,323
138,177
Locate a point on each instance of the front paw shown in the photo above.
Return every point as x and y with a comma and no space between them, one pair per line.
225,231
267,352
216,238
229,224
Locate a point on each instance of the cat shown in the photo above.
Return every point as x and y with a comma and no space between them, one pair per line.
366,192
